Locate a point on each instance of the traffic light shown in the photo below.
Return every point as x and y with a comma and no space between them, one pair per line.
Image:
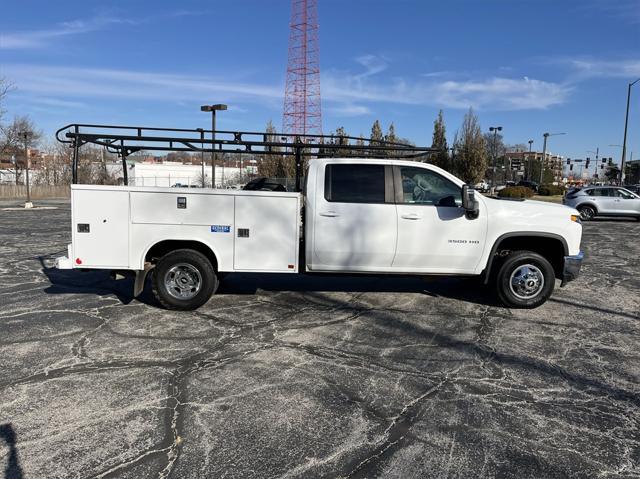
570,167
586,165
568,161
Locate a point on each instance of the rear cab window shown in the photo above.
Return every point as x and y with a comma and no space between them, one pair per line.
354,183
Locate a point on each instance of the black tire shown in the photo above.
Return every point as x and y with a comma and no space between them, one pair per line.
184,280
535,285
587,212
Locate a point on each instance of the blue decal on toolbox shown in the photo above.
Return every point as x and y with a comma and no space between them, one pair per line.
220,228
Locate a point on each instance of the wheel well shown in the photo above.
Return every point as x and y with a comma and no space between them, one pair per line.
158,250
587,204
551,248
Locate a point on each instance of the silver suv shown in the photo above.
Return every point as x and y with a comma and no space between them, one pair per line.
593,201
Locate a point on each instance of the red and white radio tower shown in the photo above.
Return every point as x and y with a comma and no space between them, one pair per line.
302,107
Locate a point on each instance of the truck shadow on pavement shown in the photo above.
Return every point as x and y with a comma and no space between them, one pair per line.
96,282
465,289
99,282
13,469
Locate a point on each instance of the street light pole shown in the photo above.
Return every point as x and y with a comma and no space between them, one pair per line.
626,124
495,130
544,152
528,164
213,109
25,135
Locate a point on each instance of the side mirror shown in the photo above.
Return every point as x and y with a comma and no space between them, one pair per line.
469,202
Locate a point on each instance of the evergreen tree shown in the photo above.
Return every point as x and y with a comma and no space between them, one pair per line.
376,138
340,139
439,142
376,133
471,157
391,134
275,166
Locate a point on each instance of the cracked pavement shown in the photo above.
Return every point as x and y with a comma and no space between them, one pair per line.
315,376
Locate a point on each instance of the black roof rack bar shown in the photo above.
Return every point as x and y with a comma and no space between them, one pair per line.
125,140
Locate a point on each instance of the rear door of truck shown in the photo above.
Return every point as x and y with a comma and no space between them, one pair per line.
355,226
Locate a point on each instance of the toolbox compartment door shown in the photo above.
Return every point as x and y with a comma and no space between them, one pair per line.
266,234
100,228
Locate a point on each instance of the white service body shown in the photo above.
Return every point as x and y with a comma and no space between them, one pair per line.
124,222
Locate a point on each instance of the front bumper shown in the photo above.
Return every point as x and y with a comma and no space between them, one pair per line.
572,266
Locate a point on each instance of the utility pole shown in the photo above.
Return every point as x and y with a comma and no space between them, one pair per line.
25,135
495,130
528,163
626,124
544,152
213,109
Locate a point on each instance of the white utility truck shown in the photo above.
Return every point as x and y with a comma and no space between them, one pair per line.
355,215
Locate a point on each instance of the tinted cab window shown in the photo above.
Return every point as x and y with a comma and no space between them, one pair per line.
354,183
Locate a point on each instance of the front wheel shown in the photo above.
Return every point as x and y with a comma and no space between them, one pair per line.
184,279
525,280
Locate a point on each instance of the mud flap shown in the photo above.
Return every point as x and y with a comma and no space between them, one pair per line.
141,276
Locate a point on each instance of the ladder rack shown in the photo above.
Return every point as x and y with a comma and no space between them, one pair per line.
125,140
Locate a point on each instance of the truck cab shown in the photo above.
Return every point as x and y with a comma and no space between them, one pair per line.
409,217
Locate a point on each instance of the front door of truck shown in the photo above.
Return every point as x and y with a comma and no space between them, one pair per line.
355,219
434,234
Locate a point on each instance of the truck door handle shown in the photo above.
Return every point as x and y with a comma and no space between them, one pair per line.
411,216
330,214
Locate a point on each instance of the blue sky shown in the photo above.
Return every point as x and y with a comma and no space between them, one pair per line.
529,66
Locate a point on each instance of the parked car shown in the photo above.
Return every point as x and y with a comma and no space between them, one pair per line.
506,185
593,201
483,186
529,184
264,184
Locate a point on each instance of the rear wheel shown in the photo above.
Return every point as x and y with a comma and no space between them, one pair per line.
184,279
587,212
525,280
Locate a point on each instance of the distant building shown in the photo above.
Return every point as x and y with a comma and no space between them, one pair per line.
552,162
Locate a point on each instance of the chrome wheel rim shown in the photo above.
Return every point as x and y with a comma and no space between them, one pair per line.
526,281
586,213
183,281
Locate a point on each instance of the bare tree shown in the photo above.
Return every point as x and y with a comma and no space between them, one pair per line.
12,142
5,88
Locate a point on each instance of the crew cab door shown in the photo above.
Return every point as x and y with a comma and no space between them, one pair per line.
355,219
434,234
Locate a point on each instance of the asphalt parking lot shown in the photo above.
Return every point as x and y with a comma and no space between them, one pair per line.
326,376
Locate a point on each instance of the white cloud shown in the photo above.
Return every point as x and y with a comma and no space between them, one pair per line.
74,83
343,94
348,109
494,93
41,38
590,68
38,38
373,64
